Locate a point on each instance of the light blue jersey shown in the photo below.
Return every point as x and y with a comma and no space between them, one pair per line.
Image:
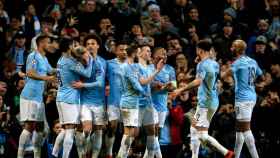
94,92
166,74
34,89
245,71
69,70
132,88
208,70
115,73
146,98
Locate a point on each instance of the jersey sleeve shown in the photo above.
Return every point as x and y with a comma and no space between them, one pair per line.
81,70
32,62
200,71
100,77
133,76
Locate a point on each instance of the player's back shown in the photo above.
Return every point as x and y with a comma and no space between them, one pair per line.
66,93
208,71
131,87
245,70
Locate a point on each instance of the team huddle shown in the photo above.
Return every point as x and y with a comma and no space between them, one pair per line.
138,96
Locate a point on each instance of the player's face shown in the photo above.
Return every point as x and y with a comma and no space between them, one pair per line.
198,53
234,48
92,45
46,44
160,54
146,53
121,51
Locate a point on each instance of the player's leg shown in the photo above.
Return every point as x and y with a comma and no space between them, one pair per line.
159,119
25,136
98,122
70,119
82,137
203,118
28,115
41,131
130,122
38,139
243,115
149,120
58,142
113,113
60,137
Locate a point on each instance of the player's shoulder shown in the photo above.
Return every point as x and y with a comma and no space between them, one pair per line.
251,60
32,55
168,67
111,61
102,59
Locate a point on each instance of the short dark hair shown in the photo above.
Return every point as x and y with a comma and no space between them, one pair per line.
205,45
121,42
65,44
131,49
40,38
93,36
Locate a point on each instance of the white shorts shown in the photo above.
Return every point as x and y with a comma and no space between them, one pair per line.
130,117
113,113
147,116
160,118
31,110
203,116
96,114
68,113
244,110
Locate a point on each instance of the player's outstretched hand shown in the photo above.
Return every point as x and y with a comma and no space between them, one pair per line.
77,84
50,78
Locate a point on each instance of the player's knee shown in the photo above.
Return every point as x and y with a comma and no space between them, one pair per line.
98,127
242,126
113,125
150,129
203,136
111,130
194,133
69,126
87,130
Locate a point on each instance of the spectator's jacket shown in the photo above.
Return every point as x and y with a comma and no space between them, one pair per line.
18,59
176,122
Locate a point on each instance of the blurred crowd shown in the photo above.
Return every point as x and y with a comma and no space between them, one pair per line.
176,25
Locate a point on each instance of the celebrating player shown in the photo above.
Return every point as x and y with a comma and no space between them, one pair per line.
93,96
32,109
245,71
71,66
206,81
